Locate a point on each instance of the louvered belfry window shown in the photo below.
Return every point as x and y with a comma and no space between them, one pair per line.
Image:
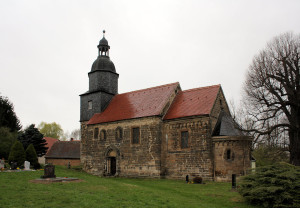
184,139
136,135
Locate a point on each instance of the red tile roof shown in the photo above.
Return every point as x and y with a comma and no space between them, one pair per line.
64,150
49,142
136,104
193,102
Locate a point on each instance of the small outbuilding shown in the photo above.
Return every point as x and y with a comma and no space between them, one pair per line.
63,153
49,142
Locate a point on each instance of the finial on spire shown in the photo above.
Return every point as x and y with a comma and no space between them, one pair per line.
103,33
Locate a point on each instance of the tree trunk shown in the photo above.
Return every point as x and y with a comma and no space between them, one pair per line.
295,147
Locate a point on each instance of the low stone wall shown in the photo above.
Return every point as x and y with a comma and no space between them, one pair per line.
73,162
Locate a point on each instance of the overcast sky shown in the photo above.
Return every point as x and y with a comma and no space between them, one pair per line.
47,47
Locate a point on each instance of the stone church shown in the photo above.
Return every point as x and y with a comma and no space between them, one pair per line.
158,132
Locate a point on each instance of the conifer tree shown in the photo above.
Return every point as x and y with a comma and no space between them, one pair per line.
17,154
31,156
8,117
31,135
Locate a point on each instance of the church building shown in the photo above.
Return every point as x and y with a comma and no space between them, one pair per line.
158,132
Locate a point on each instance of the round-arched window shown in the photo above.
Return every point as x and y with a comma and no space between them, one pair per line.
103,134
228,155
119,133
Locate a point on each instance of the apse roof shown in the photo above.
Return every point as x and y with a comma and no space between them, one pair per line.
193,102
226,126
136,104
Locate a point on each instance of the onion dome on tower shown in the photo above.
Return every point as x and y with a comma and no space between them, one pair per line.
103,61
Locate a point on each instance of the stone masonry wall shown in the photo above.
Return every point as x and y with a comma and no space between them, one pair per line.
220,104
196,159
73,162
132,160
239,159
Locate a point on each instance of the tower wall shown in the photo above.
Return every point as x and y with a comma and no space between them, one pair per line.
99,102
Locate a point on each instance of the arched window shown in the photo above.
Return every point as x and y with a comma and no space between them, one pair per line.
119,133
184,139
103,135
136,135
228,154
96,133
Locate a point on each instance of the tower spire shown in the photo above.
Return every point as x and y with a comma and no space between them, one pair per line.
103,46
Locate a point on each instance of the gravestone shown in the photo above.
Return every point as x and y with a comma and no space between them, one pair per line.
187,178
233,181
27,165
1,164
13,165
49,171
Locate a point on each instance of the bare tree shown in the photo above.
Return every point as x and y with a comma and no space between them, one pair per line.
76,134
272,92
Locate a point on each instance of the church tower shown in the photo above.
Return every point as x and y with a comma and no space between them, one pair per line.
103,83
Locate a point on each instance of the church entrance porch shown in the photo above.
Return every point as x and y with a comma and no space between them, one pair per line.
111,162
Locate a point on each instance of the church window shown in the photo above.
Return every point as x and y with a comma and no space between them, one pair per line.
103,134
184,139
90,105
96,133
136,135
228,154
119,133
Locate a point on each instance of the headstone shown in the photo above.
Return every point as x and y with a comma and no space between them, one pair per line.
233,181
27,165
13,165
1,164
49,171
187,178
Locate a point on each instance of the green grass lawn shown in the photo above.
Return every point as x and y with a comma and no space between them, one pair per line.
17,191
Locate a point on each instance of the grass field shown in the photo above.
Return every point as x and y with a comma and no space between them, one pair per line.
17,191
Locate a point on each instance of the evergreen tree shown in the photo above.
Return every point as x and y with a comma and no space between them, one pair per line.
31,135
31,156
8,116
275,185
7,139
17,154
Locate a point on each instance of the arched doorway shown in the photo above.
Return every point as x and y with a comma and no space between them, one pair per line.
111,162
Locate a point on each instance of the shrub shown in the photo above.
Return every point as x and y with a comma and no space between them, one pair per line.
273,186
17,154
197,179
31,156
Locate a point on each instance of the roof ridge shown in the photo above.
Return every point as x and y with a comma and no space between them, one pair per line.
50,138
212,86
160,86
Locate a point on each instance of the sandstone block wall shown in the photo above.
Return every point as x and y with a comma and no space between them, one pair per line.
132,160
220,104
239,161
196,160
